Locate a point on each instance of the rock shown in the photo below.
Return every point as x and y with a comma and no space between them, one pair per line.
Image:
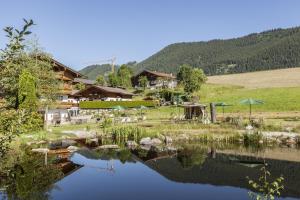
94,142
66,143
55,144
146,147
109,146
131,144
146,141
42,142
72,149
40,150
171,149
30,143
155,142
168,140
290,141
183,137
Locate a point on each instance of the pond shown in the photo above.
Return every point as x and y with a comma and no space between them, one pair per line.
192,171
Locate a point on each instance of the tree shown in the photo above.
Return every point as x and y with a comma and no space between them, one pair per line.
184,72
191,78
113,80
25,77
79,86
124,76
194,82
100,80
27,96
143,82
14,59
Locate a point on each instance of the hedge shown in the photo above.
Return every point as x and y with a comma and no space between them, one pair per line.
110,104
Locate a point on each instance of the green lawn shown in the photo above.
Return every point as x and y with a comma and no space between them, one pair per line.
276,99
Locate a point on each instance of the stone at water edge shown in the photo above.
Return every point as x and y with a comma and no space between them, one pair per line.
131,144
40,150
72,149
66,143
168,140
156,141
183,137
55,145
146,141
108,146
94,142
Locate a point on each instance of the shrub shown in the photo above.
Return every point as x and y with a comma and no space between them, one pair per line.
111,104
252,138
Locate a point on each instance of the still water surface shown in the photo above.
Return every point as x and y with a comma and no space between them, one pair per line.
190,173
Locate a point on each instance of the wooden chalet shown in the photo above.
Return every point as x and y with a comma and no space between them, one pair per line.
156,79
66,75
95,92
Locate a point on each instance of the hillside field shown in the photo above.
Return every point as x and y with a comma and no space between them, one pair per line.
262,79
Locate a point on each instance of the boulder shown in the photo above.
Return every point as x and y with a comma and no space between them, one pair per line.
66,143
40,150
183,137
55,145
94,142
168,140
146,141
131,144
155,142
72,149
109,146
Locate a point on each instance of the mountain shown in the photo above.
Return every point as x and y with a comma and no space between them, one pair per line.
273,49
92,71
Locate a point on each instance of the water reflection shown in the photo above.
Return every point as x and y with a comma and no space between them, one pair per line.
184,172
26,177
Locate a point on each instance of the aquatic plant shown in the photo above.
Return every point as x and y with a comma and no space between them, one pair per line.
252,138
265,188
125,133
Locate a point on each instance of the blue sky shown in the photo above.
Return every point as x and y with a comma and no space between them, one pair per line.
76,31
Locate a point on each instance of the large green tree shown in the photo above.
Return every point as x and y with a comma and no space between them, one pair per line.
113,80
100,80
143,82
124,75
14,59
27,81
191,78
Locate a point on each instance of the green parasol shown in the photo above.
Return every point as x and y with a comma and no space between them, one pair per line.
223,104
251,102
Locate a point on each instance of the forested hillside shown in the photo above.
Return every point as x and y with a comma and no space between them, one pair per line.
93,71
274,49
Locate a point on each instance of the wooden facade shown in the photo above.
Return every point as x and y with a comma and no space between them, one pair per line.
153,77
66,75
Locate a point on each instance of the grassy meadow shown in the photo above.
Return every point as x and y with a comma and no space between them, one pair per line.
276,99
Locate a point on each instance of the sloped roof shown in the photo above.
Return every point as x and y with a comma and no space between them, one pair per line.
59,64
107,89
85,81
160,74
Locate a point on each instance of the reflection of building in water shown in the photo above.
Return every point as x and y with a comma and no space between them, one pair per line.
229,170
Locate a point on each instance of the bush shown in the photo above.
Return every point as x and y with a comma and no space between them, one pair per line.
111,104
252,138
